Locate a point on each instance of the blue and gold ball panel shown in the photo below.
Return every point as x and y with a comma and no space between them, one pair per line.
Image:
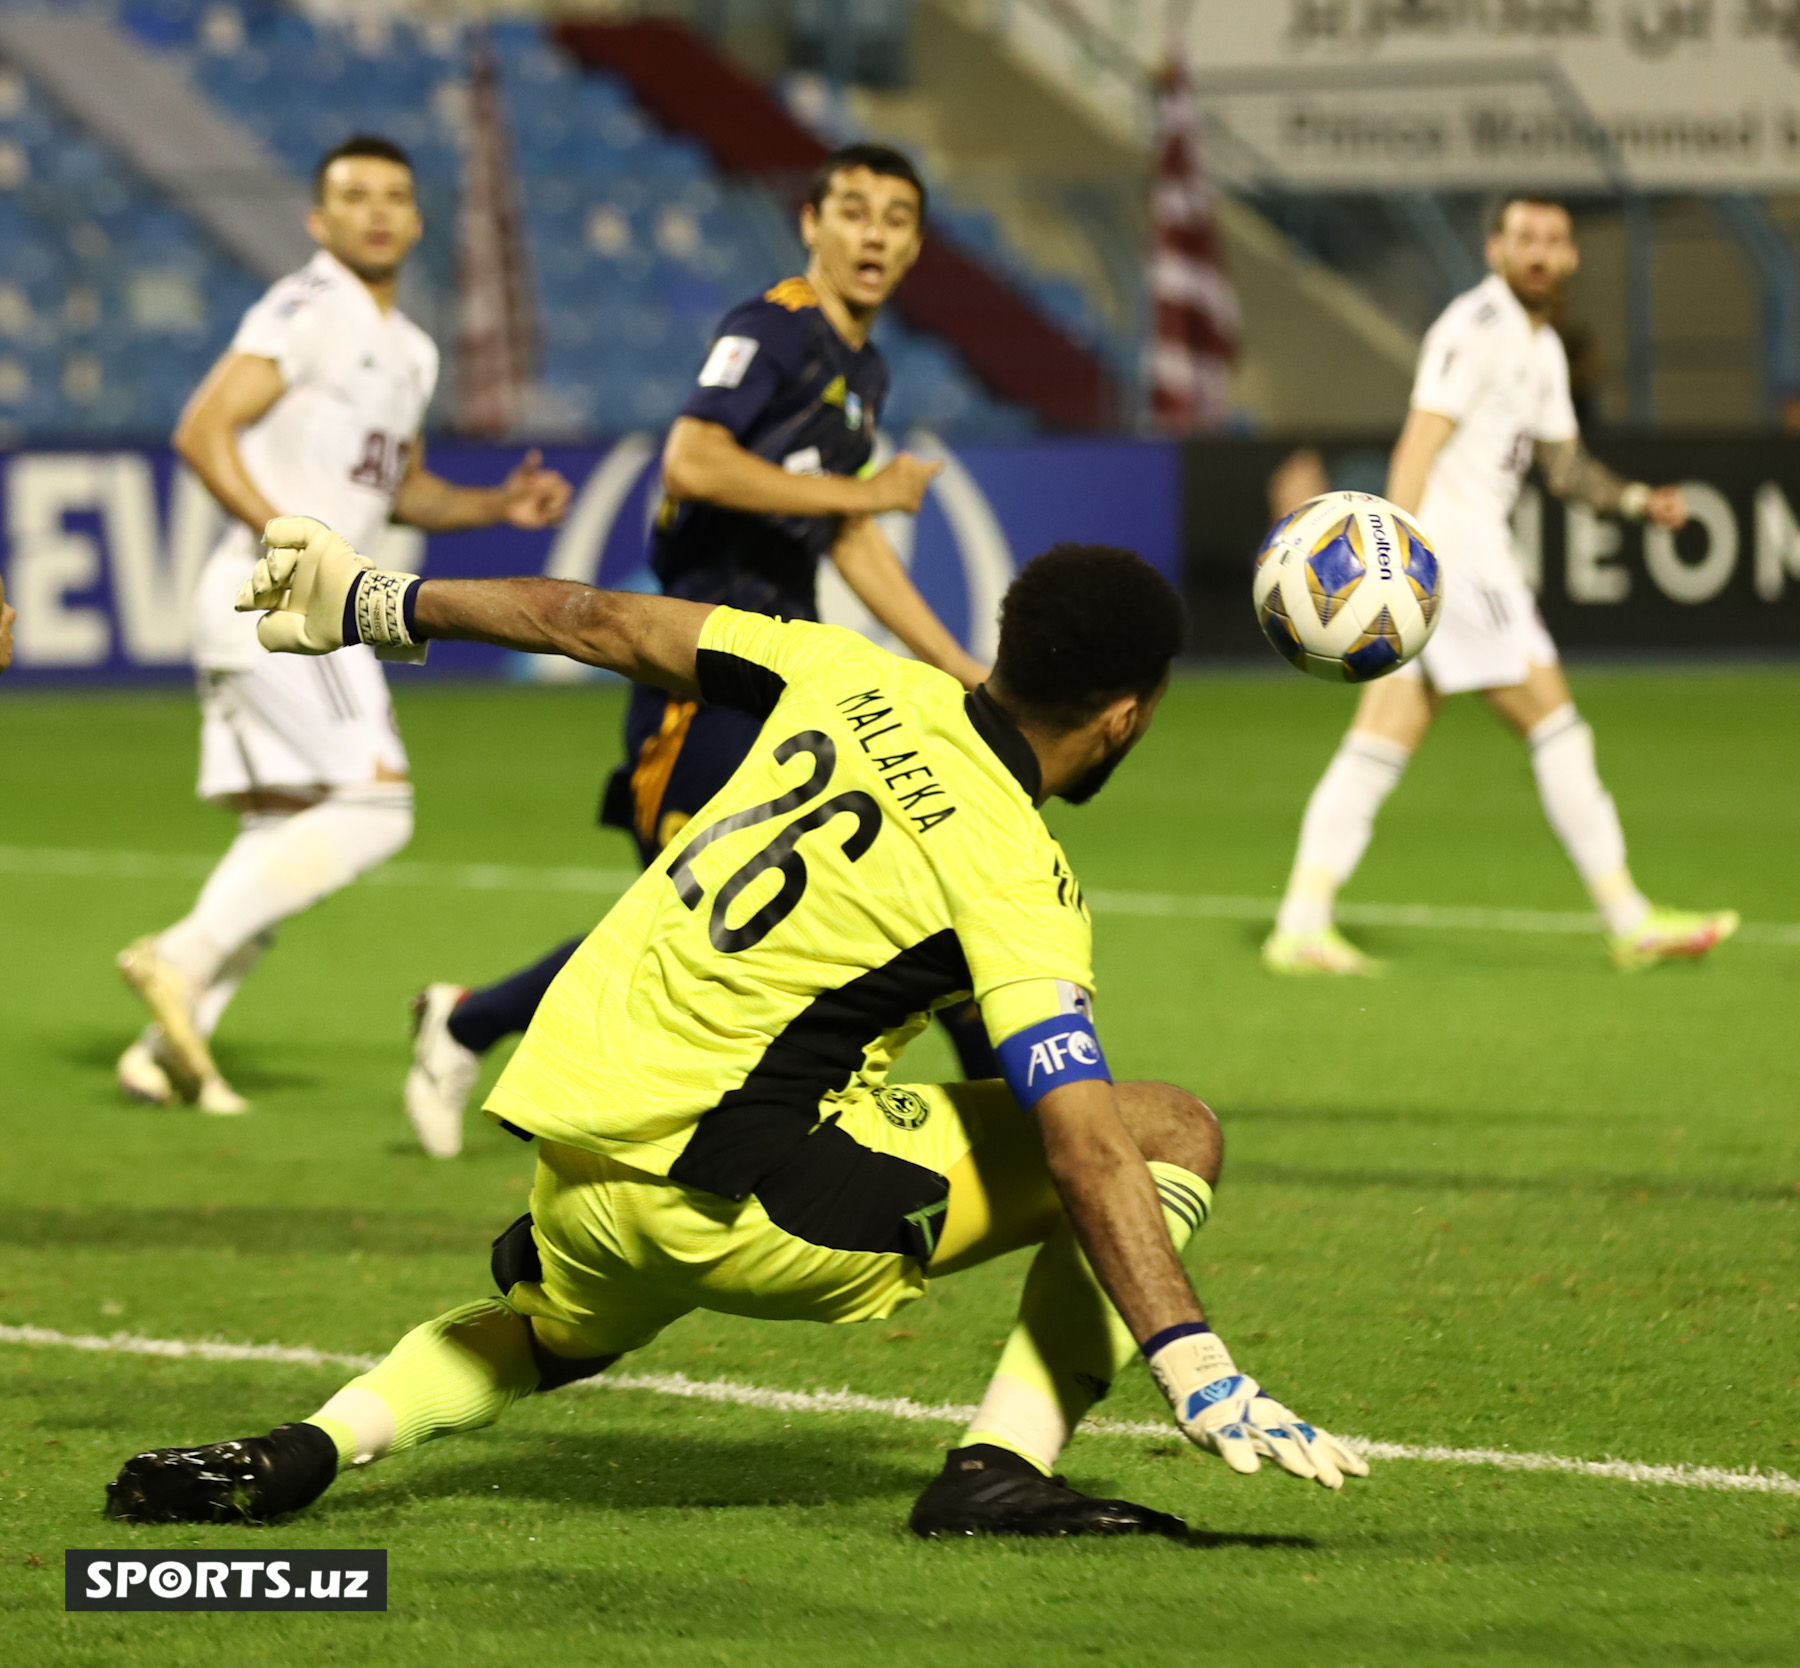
1336,567
1274,535
1279,629
1375,652
1422,573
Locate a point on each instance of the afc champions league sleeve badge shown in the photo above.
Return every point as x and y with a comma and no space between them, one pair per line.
903,1108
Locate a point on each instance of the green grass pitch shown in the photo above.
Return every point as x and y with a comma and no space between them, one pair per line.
1502,1197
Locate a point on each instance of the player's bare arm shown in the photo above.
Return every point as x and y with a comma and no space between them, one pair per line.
870,568
311,585
702,460
1112,1204
531,496
237,392
1400,710
1423,437
648,639
1571,471
1107,1191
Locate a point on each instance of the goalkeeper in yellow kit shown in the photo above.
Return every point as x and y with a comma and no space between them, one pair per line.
707,1079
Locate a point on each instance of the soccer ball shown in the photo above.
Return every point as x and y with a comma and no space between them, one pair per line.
1347,587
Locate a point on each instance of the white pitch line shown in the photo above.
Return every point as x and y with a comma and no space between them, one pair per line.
183,1349
75,864
904,1409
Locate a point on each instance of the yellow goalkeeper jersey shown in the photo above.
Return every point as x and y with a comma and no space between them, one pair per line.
878,855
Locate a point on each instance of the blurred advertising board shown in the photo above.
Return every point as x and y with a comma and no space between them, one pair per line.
1730,580
100,548
1571,95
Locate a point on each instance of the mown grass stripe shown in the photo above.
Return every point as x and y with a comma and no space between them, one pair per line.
902,1408
77,864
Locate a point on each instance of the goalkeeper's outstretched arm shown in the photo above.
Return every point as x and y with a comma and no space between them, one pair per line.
648,639
316,594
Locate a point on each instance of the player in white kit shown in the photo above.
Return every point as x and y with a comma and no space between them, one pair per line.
316,409
1491,396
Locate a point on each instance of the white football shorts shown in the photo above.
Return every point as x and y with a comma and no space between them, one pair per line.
287,722
296,723
1490,633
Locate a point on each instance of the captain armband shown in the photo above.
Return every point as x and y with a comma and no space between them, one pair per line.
379,611
1056,1051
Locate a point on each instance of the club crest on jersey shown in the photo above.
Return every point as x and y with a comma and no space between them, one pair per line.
902,1108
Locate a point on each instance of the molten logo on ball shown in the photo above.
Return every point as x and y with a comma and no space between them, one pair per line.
1347,587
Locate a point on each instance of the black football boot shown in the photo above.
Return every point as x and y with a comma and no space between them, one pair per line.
250,1480
984,1490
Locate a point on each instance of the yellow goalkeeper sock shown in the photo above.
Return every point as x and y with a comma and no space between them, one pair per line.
456,1373
1069,1343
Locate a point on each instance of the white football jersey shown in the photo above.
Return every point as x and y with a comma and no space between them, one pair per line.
1505,383
335,445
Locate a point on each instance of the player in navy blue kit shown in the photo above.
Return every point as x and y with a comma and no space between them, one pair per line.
763,474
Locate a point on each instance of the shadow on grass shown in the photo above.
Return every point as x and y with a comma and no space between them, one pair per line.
1402,949
638,1471
98,1053
476,1150
591,1472
251,1230
1256,1543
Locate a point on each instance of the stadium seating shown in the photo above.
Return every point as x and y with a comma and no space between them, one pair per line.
112,302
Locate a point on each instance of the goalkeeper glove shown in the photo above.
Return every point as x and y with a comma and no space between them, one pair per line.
1225,1412
316,594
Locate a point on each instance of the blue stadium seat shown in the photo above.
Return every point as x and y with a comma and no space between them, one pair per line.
637,244
162,23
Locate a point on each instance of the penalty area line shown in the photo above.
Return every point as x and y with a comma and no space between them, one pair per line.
1717,1479
73,863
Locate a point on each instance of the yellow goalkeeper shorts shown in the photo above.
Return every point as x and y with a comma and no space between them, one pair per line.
840,1232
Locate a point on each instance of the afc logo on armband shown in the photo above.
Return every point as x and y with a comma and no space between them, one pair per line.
1053,1055
1056,1051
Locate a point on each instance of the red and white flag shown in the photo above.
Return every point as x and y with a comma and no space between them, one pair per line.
496,337
1196,324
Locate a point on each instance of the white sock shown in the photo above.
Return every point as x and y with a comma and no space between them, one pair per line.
237,968
1340,818
370,1419
1584,817
280,865
1027,1419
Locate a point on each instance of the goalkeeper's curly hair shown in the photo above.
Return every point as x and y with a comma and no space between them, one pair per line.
1082,625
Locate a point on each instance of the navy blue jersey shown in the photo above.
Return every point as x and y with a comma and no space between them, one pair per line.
793,391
